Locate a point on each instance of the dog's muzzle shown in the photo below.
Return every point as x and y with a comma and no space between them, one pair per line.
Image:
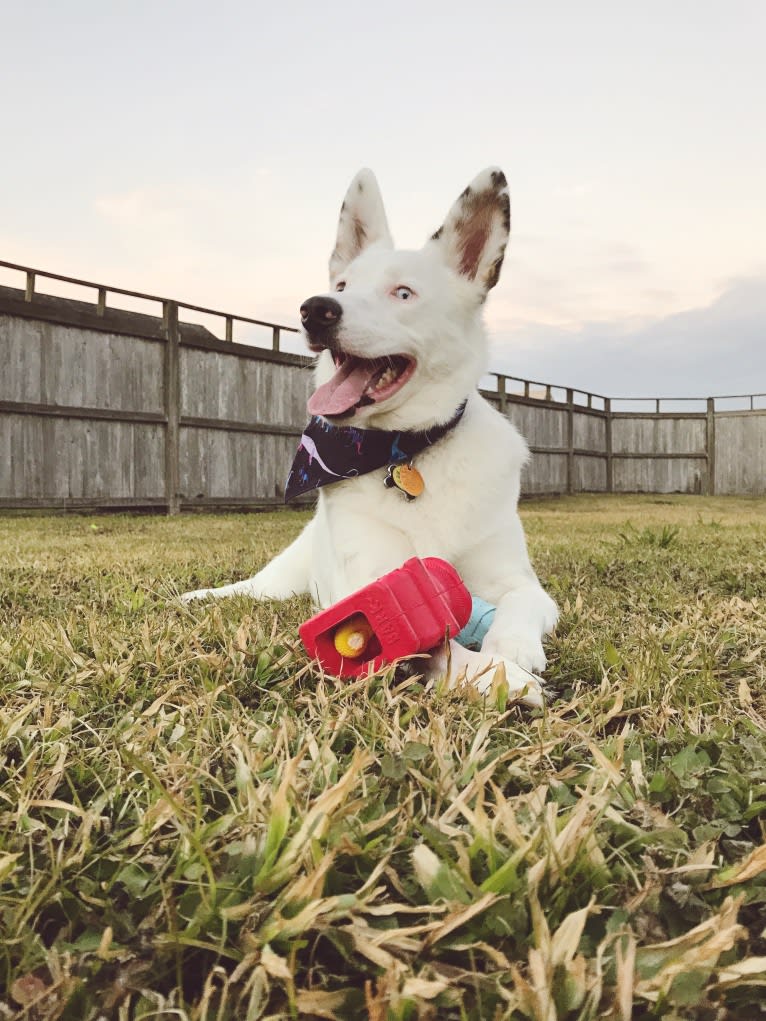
320,315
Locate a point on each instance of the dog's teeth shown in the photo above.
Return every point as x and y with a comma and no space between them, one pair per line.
385,379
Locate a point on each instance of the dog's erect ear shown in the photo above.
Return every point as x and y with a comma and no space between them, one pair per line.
362,222
475,233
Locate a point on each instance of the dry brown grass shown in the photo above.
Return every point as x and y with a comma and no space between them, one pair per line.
197,824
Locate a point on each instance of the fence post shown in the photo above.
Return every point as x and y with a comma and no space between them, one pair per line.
570,441
501,394
608,443
710,447
172,397
275,338
29,291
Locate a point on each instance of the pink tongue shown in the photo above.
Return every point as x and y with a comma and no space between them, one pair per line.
344,390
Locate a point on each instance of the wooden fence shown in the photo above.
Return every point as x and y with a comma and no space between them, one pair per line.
104,406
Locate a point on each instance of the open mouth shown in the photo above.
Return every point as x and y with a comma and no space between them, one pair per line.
358,382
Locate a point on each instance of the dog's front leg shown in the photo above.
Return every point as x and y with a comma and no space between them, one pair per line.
523,616
287,574
499,571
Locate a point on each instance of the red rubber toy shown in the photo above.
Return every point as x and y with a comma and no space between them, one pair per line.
407,611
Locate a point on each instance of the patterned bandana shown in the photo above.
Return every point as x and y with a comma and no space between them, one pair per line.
329,453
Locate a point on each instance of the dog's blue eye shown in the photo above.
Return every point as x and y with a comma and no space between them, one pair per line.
403,293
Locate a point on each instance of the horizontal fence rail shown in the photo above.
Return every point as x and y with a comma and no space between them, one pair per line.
103,406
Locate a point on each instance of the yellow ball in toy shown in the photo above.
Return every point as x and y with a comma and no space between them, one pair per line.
352,637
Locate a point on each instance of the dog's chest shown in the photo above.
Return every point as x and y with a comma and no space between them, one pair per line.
467,481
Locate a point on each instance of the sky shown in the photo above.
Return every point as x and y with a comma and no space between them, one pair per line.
201,151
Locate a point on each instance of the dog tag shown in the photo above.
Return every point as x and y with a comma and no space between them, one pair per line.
406,478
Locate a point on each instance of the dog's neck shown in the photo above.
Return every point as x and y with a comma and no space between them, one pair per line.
329,454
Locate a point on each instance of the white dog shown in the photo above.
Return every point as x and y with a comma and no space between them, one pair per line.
401,351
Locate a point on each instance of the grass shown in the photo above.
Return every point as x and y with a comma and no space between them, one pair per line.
196,824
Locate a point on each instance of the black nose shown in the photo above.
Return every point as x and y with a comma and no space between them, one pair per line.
320,313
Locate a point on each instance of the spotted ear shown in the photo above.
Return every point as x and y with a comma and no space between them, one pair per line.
472,239
362,222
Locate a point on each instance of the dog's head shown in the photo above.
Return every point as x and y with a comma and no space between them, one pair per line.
399,333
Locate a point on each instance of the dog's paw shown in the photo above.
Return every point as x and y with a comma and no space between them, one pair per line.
527,653
527,687
237,588
458,666
200,593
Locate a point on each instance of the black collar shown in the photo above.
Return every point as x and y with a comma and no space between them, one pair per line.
329,453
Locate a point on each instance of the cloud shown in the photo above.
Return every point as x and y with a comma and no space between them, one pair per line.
716,349
622,258
146,210
126,208
571,282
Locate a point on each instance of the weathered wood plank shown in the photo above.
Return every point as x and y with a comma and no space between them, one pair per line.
589,474
63,458
221,385
223,465
655,435
590,432
540,426
740,464
650,475
545,474
47,363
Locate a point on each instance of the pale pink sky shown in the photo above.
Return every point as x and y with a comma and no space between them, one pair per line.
202,151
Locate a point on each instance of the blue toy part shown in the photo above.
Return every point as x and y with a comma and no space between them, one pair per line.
479,623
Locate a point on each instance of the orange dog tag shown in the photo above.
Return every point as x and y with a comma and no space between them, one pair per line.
406,478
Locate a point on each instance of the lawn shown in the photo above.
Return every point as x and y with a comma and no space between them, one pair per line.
196,824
